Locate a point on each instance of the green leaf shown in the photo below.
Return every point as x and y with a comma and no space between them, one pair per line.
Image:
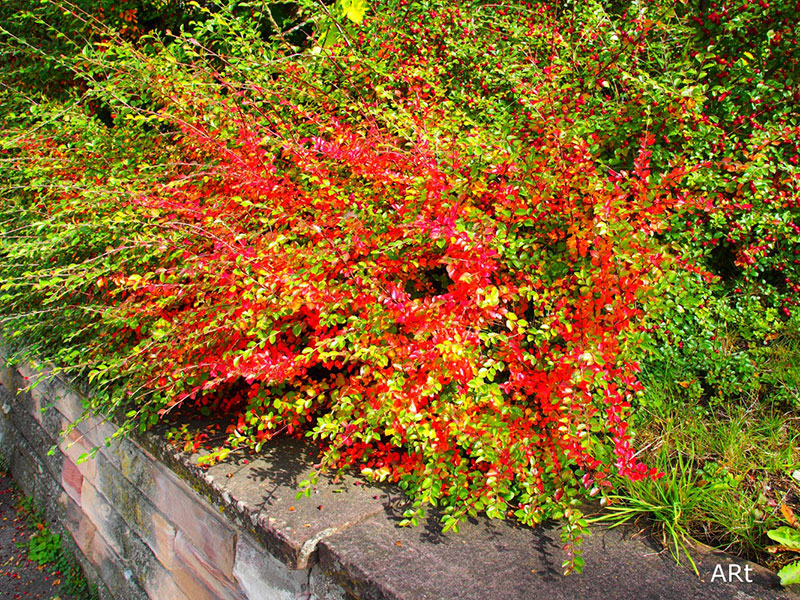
790,574
786,536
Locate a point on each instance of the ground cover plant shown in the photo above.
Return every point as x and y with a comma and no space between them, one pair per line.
36,561
490,252
46,549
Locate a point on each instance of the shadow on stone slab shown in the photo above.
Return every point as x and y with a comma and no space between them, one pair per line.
261,493
376,560
350,526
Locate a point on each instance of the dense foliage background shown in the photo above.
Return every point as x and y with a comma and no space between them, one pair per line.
476,249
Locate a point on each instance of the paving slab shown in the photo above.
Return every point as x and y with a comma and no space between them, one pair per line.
376,560
350,528
261,493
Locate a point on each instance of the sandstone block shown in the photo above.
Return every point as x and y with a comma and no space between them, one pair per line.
98,432
128,501
262,576
77,523
136,558
67,402
138,512
6,373
74,447
198,577
118,578
162,540
162,585
215,539
102,515
71,479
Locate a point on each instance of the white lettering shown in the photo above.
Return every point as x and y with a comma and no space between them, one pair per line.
731,574
734,572
747,570
718,572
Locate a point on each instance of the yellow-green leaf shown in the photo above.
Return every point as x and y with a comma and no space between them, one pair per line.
790,574
354,9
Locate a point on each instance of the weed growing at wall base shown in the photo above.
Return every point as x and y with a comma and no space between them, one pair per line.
56,571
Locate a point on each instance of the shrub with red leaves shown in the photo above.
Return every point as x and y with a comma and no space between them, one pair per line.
435,241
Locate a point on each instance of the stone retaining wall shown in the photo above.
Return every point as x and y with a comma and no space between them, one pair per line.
147,523
139,530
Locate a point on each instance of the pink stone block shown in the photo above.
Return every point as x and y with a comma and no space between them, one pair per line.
79,526
71,479
7,378
74,446
67,402
6,372
212,537
102,556
162,541
30,400
27,370
198,577
162,585
32,379
96,431
99,513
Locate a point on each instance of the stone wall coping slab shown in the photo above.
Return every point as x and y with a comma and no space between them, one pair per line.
345,536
